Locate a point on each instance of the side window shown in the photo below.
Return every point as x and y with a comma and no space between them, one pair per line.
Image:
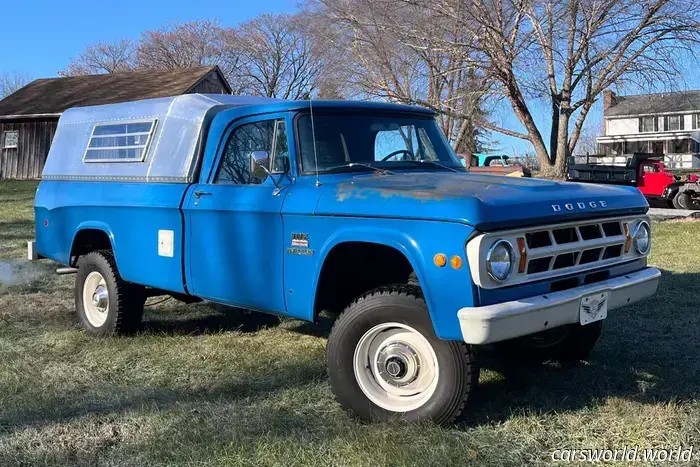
120,142
247,138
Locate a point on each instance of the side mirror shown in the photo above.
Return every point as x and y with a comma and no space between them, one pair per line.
259,160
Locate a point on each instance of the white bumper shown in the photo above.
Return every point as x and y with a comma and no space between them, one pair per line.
494,323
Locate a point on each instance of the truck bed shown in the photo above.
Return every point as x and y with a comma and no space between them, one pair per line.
598,173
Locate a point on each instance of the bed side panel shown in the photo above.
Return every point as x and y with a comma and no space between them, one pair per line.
132,214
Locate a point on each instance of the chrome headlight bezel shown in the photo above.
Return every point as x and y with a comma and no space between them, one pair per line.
511,255
635,237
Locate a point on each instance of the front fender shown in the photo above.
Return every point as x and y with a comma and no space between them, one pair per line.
444,288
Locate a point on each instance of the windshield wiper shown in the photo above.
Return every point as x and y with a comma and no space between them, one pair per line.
437,164
359,164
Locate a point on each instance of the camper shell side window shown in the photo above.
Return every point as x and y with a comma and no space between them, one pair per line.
120,142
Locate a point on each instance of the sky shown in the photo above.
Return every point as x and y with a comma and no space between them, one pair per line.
39,37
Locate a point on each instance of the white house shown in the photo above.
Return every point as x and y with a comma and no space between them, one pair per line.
667,124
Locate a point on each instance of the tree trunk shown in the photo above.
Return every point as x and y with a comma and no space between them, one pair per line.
561,152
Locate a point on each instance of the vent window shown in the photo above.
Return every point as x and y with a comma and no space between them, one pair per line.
120,142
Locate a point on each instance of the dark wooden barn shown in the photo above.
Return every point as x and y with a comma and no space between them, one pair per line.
28,117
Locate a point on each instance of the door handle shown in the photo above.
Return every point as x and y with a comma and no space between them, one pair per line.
199,193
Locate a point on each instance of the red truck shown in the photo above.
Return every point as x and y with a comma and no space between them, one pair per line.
644,171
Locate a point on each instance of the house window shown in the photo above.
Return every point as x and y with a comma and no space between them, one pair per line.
120,142
656,147
679,146
648,124
674,122
633,147
10,139
610,149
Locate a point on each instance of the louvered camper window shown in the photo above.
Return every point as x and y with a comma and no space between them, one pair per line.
120,142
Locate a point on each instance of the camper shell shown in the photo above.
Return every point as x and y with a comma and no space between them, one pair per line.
357,209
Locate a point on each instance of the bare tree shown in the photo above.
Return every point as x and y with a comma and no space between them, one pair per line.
103,57
279,57
397,52
567,52
11,82
191,44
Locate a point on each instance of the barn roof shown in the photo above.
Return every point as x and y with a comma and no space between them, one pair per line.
642,104
51,96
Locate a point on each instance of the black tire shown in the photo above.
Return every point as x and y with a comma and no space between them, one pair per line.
568,343
403,304
125,300
680,200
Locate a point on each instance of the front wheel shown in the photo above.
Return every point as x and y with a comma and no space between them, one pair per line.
385,361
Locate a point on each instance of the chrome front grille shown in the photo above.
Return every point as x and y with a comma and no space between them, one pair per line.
550,251
563,247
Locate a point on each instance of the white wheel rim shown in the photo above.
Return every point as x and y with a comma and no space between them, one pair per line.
95,299
396,367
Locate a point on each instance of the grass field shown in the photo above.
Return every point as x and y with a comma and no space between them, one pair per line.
198,386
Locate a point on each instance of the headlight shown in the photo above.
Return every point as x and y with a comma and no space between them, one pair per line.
642,238
499,261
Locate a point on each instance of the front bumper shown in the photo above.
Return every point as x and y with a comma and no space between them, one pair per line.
502,321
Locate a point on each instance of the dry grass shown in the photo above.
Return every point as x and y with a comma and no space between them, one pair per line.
201,386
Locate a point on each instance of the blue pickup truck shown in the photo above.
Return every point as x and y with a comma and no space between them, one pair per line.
354,208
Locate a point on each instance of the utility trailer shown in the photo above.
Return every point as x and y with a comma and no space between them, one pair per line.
642,170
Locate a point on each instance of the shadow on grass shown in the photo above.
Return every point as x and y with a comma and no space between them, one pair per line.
647,353
209,318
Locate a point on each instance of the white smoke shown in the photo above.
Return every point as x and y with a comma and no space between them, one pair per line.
20,272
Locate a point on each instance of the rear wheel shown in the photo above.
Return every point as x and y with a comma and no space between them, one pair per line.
385,361
105,303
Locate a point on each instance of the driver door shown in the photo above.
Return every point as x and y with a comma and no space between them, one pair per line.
234,221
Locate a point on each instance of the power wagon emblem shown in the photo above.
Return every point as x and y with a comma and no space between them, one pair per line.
300,239
300,245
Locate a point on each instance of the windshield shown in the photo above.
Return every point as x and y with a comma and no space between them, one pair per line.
383,142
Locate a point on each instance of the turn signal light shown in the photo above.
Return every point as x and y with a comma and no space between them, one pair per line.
628,236
523,255
456,262
440,260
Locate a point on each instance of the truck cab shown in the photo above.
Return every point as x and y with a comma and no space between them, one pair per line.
359,209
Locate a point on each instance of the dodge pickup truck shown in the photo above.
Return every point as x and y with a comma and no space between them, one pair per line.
358,209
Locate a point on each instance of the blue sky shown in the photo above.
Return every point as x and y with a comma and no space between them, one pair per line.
40,36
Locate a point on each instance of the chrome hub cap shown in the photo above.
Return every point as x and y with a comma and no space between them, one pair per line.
95,299
398,364
395,367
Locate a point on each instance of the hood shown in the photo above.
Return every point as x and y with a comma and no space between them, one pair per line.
483,201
